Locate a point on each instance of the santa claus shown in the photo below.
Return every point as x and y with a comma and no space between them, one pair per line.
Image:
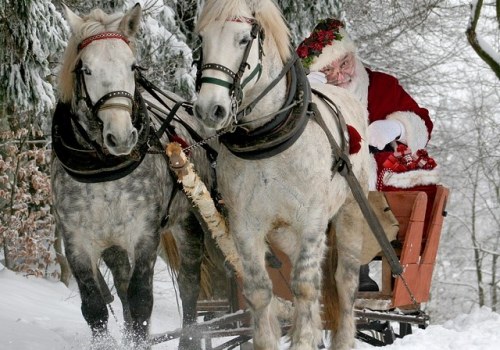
394,116
399,129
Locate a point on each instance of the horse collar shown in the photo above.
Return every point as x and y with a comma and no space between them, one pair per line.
280,133
89,163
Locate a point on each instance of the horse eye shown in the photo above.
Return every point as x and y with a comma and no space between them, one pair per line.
86,71
245,40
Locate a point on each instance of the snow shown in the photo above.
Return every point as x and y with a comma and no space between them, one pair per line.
39,314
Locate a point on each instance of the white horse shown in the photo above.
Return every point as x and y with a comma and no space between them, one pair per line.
112,193
276,171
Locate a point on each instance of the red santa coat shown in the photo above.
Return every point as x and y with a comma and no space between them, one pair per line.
386,96
388,100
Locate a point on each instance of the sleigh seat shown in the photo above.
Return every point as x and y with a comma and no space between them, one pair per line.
416,246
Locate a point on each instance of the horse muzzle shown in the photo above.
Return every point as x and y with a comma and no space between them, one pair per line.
213,115
119,135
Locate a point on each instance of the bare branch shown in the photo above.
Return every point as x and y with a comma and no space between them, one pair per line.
476,42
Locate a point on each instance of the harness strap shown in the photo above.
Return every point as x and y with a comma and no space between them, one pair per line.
248,109
340,120
99,105
372,219
216,81
169,118
83,134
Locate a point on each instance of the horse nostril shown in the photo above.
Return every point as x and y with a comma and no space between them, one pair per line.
132,140
219,112
111,140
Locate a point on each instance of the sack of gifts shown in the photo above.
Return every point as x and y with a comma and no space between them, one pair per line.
407,170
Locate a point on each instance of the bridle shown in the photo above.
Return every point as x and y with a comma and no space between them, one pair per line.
236,86
81,85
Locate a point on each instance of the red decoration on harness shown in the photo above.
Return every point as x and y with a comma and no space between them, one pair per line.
248,20
182,142
354,140
102,36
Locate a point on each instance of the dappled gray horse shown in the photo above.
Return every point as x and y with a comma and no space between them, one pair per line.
112,194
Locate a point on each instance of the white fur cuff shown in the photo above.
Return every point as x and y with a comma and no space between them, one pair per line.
416,134
412,178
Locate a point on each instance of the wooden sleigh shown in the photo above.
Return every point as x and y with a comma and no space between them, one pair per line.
416,246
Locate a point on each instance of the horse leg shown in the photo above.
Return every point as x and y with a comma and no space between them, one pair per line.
93,305
348,227
257,290
116,258
140,289
306,288
191,252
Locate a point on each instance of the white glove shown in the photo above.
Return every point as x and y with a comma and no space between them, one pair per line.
316,78
382,132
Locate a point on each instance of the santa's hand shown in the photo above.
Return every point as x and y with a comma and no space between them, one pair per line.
382,132
316,78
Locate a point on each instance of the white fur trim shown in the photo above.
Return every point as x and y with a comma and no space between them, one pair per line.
416,134
412,178
360,82
336,50
372,180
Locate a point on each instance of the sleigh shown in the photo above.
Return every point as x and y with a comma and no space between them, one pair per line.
227,324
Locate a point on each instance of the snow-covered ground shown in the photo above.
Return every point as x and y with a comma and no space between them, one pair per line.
37,314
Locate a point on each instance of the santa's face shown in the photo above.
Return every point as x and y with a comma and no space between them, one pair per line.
341,71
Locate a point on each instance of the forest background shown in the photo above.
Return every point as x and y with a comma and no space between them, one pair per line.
445,53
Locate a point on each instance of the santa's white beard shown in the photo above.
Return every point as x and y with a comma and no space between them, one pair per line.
359,83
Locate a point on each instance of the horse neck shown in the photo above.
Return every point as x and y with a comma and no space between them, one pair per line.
273,100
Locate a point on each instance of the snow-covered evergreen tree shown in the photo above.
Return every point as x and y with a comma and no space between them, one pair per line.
32,34
302,16
163,49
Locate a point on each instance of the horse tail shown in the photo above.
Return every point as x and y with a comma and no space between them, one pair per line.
169,252
331,307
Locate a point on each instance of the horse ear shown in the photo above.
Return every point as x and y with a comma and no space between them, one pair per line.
131,21
73,19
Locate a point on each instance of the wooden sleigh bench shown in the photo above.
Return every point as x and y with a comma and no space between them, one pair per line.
416,246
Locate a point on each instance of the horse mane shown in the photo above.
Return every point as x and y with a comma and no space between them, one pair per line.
266,12
97,21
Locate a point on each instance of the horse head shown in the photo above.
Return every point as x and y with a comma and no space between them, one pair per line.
241,43
98,77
